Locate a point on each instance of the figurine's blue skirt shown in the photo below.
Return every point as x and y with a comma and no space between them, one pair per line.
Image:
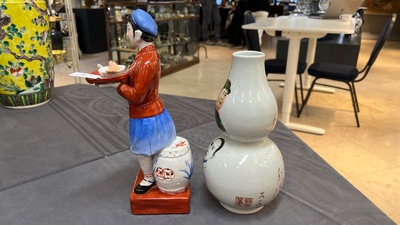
151,134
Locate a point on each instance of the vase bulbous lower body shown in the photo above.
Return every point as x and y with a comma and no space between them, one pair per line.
243,177
243,168
26,63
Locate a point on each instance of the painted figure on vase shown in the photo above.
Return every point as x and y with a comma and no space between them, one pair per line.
151,126
220,101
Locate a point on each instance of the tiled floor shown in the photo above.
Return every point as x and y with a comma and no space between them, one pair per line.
369,156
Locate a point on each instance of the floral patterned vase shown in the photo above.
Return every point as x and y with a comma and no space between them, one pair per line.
243,168
26,65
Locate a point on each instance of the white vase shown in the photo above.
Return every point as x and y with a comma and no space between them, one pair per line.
243,168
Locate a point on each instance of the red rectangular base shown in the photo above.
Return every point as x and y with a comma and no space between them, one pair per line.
156,202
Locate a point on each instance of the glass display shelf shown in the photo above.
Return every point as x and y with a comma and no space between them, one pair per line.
178,28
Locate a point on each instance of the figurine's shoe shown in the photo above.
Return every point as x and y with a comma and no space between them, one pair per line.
143,188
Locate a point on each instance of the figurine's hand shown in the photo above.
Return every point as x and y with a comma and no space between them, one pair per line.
124,81
120,88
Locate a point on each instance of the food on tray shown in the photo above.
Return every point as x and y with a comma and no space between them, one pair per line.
112,67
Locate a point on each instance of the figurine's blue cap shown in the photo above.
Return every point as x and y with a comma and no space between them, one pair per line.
144,22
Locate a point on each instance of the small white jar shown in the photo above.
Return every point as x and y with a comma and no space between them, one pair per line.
173,167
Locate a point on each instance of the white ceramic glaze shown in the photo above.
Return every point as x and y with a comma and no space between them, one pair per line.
246,106
243,168
242,176
173,167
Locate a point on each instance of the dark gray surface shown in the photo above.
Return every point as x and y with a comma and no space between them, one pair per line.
333,48
68,162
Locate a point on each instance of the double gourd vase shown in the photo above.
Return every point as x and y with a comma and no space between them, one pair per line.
243,168
26,65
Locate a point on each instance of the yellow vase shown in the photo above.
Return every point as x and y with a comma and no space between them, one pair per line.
26,65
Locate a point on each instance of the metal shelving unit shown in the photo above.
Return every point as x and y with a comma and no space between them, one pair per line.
178,27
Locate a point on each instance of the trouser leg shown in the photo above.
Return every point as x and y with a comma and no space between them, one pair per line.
146,164
217,21
206,9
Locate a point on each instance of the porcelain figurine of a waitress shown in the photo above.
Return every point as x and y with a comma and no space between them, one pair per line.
151,127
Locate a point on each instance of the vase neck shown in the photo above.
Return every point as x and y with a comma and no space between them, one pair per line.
248,68
246,140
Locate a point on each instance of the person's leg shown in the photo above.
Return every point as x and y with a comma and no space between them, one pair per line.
217,21
146,165
235,31
206,6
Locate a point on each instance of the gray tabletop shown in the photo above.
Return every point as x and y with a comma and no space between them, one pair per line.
68,162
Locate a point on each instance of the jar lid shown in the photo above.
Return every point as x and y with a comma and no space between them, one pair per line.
179,147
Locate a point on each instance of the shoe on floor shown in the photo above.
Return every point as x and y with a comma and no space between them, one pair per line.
208,42
237,46
220,43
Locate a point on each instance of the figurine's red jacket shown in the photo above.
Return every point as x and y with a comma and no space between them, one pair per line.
141,85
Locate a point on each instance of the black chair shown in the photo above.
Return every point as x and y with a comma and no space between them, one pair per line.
348,74
275,66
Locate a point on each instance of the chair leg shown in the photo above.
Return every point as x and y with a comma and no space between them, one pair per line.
307,96
297,101
301,88
352,94
354,100
355,96
301,94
